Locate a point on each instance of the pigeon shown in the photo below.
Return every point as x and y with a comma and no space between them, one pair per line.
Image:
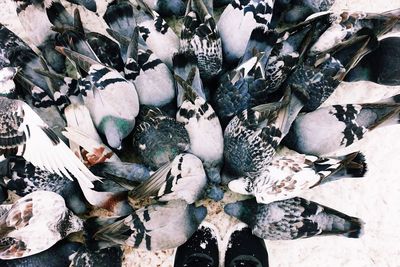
184,63
342,125
204,129
321,74
112,100
16,53
200,35
380,66
158,36
288,176
7,85
290,48
86,257
37,19
167,8
31,225
154,227
240,89
152,78
236,23
252,137
22,178
107,50
157,138
23,133
84,140
57,255
293,218
346,24
36,90
295,11
183,178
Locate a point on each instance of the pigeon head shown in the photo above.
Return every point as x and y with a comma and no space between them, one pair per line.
115,130
244,210
199,213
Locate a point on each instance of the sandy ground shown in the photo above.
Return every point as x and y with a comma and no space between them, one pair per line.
375,198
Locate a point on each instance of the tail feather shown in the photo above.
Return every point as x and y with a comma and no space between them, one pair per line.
261,40
343,224
119,17
59,16
94,226
353,165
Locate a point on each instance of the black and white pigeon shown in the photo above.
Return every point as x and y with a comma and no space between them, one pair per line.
86,257
16,53
34,223
32,87
112,101
57,255
346,24
184,63
290,49
293,218
380,66
200,35
167,8
237,22
252,137
23,133
321,74
158,138
289,176
154,30
331,128
154,227
7,85
22,178
204,129
183,178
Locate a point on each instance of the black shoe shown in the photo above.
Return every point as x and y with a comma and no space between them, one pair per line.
201,250
244,249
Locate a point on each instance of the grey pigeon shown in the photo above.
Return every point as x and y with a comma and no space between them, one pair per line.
293,218
237,22
205,131
183,178
157,138
153,227
331,128
112,101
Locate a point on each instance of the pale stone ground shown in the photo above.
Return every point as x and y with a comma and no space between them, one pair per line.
375,199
